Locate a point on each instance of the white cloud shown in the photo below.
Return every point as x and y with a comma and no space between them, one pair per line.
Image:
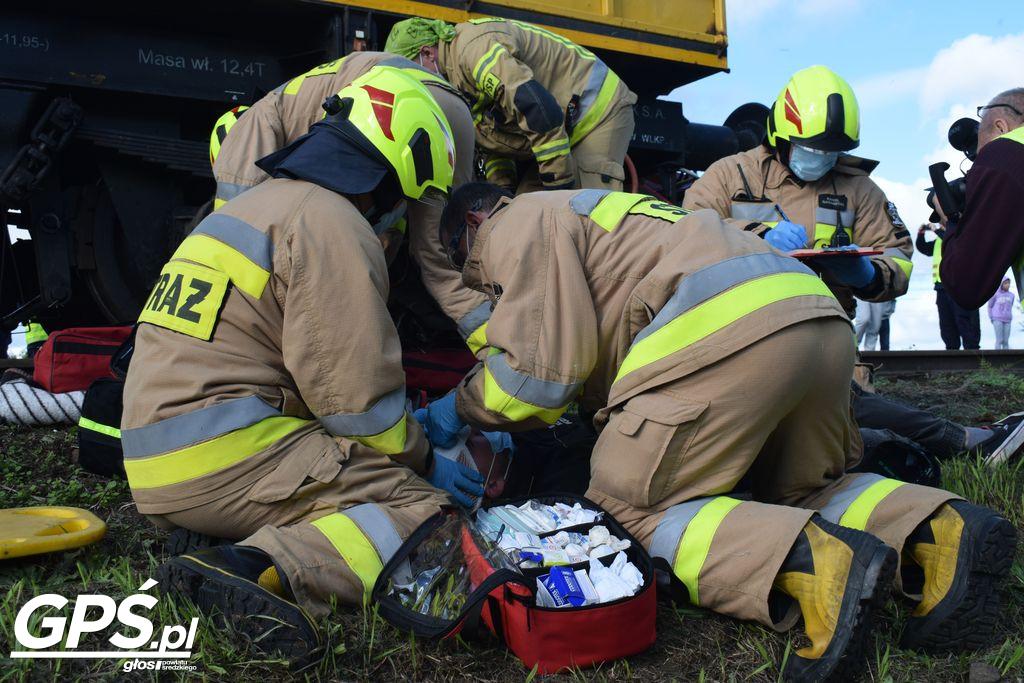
971,70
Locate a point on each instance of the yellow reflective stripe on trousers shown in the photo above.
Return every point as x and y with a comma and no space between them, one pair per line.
856,516
718,312
388,442
86,423
213,253
495,399
696,542
354,547
210,456
597,110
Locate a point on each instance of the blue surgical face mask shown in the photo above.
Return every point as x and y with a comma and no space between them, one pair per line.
810,164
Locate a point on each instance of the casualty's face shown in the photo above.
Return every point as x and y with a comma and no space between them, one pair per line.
494,466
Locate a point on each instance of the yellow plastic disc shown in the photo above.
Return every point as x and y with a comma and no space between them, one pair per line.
45,529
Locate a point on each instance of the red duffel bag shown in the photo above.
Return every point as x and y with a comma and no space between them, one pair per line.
69,360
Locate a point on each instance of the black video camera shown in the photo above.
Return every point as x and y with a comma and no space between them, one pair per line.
963,137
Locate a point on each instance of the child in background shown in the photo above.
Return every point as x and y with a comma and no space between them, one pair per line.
1000,312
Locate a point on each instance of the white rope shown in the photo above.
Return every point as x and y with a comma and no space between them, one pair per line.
25,405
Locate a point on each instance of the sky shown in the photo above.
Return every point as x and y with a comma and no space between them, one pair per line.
915,65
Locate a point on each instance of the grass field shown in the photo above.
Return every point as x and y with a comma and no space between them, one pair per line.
693,645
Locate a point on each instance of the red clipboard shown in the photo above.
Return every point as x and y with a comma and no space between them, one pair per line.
807,254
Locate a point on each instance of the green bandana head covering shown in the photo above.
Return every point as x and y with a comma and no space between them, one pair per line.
409,35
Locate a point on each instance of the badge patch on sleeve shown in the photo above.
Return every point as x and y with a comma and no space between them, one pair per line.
894,216
186,299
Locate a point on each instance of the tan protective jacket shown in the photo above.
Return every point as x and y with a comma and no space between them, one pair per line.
534,95
606,295
287,113
845,197
269,321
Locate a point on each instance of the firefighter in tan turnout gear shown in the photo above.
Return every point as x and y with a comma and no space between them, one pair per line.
286,113
690,341
535,96
266,398
827,194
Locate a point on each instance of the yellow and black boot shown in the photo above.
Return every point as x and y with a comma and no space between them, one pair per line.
242,586
839,576
956,559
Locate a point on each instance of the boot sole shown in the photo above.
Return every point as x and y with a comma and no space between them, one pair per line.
866,592
1010,445
966,619
181,541
270,623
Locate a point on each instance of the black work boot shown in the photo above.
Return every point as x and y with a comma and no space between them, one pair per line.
839,576
181,541
964,552
242,585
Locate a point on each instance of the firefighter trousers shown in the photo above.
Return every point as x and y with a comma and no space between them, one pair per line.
717,473
330,519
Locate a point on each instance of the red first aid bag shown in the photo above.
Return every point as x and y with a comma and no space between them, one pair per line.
447,578
69,360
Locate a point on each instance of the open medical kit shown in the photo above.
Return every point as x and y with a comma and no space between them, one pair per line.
558,580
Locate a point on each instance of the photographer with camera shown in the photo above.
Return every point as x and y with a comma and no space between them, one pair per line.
989,237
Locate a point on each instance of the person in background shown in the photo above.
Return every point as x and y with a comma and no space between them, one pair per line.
884,328
802,189
542,104
989,238
957,325
1000,312
871,316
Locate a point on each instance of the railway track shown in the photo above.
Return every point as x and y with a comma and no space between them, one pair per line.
923,362
885,362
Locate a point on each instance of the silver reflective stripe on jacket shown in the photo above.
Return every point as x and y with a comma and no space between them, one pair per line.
194,427
471,322
829,216
379,418
755,212
228,191
240,236
598,72
536,392
585,201
717,278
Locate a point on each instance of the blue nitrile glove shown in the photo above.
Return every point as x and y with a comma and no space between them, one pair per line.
461,481
852,272
440,421
500,441
786,236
